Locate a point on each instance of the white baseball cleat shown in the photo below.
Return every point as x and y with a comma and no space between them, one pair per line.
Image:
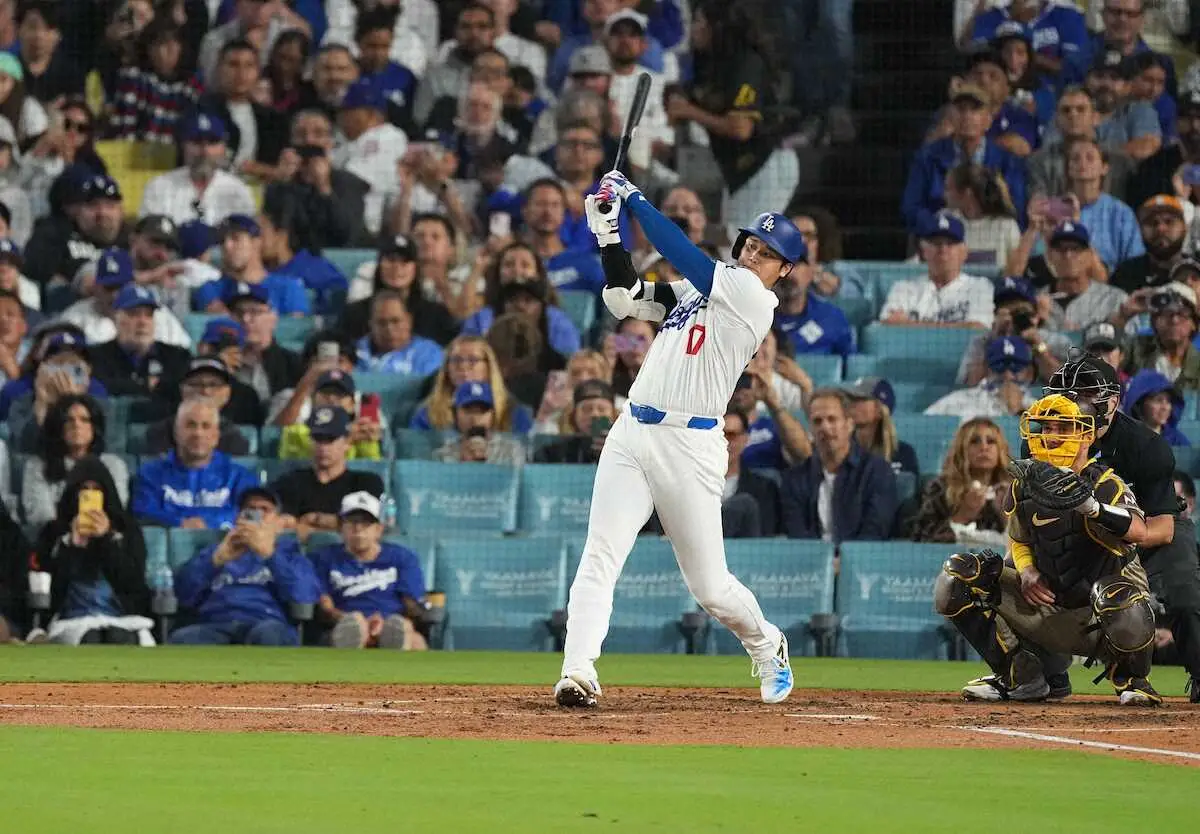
575,690
775,674
991,688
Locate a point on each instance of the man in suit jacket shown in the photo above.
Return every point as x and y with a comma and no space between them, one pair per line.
842,492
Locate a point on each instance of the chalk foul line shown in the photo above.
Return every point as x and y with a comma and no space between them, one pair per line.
1079,742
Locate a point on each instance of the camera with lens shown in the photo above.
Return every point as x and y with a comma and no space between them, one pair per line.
1167,299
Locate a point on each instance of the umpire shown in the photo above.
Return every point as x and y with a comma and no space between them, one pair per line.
1144,460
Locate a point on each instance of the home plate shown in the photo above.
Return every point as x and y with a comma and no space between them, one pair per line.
828,716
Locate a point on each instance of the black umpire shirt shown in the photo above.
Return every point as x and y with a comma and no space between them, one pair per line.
1144,460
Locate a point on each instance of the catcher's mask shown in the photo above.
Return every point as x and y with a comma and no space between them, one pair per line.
1055,428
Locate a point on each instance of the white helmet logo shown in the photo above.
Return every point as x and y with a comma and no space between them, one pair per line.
943,223
1009,349
324,416
768,224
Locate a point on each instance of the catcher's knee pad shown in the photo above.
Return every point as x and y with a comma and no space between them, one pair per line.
967,579
1124,614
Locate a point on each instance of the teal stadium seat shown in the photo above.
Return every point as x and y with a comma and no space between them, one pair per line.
825,370
915,397
157,551
382,468
399,394
1011,428
649,599
468,497
913,354
930,436
416,444
556,497
194,324
906,486
184,544
1187,459
268,441
885,599
859,311
499,595
348,261
1191,405
293,331
792,579
580,307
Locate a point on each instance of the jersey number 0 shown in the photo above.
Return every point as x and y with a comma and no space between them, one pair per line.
695,339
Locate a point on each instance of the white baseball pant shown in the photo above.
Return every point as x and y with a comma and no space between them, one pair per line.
680,472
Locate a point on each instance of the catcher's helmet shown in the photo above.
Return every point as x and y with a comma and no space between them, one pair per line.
1087,375
777,232
1056,427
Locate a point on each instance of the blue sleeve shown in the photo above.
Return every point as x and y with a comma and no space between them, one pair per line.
666,23
666,236
206,295
879,502
1167,117
844,343
429,359
479,323
412,580
294,576
147,504
556,73
314,12
564,337
295,299
985,27
194,579
243,479
420,420
321,564
915,204
1072,32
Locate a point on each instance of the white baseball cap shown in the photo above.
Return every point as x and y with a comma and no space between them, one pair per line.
361,502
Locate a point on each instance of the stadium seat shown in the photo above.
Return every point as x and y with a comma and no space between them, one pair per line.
1191,405
649,601
293,331
461,496
859,311
416,444
1187,459
348,261
268,441
157,551
1011,428
824,369
399,393
937,350
499,596
930,436
556,497
885,599
906,486
792,579
274,468
933,369
580,306
915,397
194,324
183,544
878,276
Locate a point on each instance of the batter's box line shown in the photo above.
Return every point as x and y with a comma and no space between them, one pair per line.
1080,742
829,716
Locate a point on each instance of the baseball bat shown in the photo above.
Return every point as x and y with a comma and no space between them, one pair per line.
640,94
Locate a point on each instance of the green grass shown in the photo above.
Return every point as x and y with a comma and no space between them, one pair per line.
104,781
228,664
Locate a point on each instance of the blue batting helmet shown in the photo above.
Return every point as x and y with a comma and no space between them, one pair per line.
777,232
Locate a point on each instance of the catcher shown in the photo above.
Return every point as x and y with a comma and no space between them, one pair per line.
1072,582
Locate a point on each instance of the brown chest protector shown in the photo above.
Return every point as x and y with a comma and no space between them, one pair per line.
1069,550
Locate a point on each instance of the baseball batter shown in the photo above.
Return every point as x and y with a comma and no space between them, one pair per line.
667,450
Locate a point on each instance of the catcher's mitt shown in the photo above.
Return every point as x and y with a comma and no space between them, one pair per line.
1051,487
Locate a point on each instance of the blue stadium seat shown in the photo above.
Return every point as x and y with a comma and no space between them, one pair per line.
1011,428
792,579
1187,458
183,544
906,486
499,595
885,599
878,276
194,324
649,600
348,261
461,496
580,306
824,369
268,441
859,311
157,551
293,331
914,397
556,497
1191,405
274,468
935,369
399,393
917,354
930,437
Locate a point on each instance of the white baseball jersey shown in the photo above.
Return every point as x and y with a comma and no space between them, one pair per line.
965,300
704,344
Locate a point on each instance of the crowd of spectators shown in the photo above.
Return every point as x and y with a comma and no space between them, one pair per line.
457,141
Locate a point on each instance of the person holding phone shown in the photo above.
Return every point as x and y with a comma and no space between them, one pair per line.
478,440
336,388
239,590
588,422
1019,310
96,556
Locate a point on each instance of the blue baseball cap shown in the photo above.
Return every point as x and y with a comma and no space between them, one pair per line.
114,268
328,423
364,94
10,251
340,380
100,187
240,290
943,225
873,388
195,238
132,296
240,223
64,343
1007,353
202,127
259,491
1012,286
472,393
1070,232
223,332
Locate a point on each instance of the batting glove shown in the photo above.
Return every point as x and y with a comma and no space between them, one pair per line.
616,182
606,227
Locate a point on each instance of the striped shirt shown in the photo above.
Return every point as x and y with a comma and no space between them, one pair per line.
147,108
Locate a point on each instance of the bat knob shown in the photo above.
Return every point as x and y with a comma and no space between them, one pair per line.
604,208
